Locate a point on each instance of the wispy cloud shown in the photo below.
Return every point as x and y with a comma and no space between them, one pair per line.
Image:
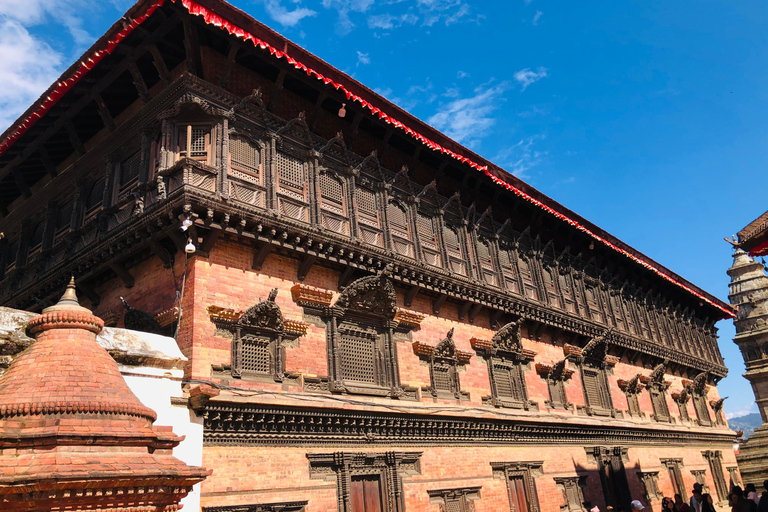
29,67
34,12
389,21
519,158
344,25
742,411
462,74
284,16
537,17
363,58
527,76
469,119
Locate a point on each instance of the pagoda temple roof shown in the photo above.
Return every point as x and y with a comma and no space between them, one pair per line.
16,143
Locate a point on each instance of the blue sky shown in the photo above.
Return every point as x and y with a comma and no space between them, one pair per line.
648,118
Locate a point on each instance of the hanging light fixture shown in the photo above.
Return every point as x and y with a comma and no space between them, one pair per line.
186,223
190,247
342,110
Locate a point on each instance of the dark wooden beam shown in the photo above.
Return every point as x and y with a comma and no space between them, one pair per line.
346,277
106,117
122,273
316,110
192,46
473,312
305,266
210,240
21,183
260,255
103,83
438,303
88,292
277,91
159,63
161,253
494,317
234,47
74,138
178,239
46,160
138,81
410,295
464,309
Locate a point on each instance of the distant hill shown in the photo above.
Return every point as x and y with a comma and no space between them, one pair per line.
747,423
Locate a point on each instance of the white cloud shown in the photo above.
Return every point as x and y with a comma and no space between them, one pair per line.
536,17
389,21
743,411
519,158
345,25
469,119
34,12
29,67
363,58
284,16
527,76
462,74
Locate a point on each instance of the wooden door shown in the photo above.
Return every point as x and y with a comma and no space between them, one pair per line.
366,493
518,498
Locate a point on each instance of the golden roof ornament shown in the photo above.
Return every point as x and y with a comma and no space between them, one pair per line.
68,301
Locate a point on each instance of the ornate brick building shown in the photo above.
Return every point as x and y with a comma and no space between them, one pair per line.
376,318
749,293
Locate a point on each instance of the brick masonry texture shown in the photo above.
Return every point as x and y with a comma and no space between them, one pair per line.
248,475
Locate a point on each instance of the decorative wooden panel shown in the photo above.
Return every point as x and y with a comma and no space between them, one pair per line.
456,259
368,219
428,240
485,263
399,230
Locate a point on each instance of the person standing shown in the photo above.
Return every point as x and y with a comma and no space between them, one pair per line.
681,505
762,506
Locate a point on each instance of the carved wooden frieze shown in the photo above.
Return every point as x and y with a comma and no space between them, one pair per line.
309,296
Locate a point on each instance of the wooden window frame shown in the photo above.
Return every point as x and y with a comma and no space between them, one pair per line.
395,237
464,496
391,467
187,130
330,212
528,471
674,467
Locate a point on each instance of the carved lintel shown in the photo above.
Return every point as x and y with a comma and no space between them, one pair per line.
305,295
463,357
296,327
571,350
480,344
611,360
220,314
423,349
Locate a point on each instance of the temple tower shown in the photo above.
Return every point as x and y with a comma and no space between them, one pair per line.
749,293
73,436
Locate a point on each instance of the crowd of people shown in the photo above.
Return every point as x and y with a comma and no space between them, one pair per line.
739,500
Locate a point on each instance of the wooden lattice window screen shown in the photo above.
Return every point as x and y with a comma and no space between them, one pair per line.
255,357
508,380
485,261
700,404
659,403
428,240
368,216
245,157
596,389
399,230
531,290
633,404
194,142
332,204
508,271
358,359
456,260
95,197
557,397
550,275
129,171
292,185
567,290
64,218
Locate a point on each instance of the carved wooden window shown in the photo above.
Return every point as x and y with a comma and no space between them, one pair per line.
292,187
455,500
659,403
194,142
94,198
650,481
557,396
457,262
430,250
399,230
593,303
699,395
508,270
715,460
11,252
566,288
443,367
485,262
506,359
368,217
573,493
521,484
129,172
362,356
366,482
244,157
555,375
612,474
596,391
618,311
529,283
633,404
676,476
333,205
63,219
36,238
550,275
257,345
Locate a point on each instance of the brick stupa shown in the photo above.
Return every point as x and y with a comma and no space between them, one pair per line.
73,436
